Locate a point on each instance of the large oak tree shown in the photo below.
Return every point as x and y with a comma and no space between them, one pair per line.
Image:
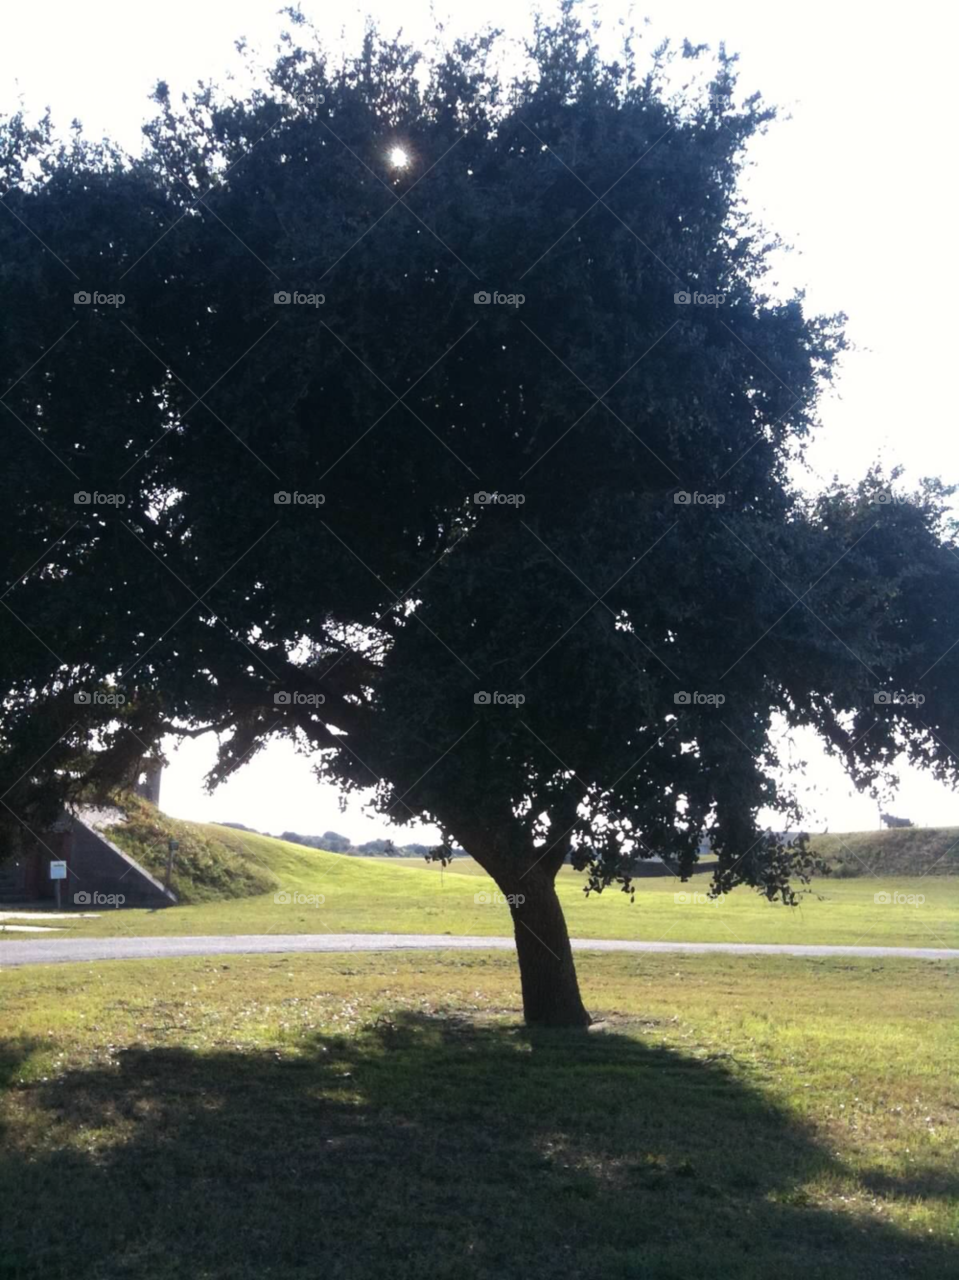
653,641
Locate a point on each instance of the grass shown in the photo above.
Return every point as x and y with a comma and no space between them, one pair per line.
900,851
384,1115
208,868
226,880
369,895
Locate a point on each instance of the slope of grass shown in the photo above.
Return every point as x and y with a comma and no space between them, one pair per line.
900,851
904,851
385,1116
206,868
215,862
333,893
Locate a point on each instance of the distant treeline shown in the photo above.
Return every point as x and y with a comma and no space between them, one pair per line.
334,842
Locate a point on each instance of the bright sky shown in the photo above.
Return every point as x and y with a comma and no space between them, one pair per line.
858,179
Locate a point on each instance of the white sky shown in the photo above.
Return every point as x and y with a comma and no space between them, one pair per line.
860,180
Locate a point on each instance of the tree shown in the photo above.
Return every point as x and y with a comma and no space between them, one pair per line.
334,842
330,841
588,663
377,847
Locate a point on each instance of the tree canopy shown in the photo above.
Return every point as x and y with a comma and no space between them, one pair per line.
445,418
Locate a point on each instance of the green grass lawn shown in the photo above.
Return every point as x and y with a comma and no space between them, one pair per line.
372,895
371,1116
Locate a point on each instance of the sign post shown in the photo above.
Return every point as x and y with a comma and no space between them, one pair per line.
172,847
58,873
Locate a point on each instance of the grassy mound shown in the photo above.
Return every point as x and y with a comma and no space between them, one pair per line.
239,882
902,851
206,868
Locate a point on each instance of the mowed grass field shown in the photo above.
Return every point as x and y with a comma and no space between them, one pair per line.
371,1116
392,895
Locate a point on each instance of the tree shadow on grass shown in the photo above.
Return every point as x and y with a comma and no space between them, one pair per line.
425,1147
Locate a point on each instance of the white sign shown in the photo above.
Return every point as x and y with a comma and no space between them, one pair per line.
58,871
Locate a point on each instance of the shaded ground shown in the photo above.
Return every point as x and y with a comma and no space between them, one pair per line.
208,1121
436,1147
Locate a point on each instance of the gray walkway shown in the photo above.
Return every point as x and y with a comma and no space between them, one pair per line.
77,950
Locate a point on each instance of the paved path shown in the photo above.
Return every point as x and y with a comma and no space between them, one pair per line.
76,950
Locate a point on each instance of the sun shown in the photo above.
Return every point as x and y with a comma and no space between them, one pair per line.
398,158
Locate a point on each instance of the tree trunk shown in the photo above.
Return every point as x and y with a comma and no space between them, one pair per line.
527,875
547,974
